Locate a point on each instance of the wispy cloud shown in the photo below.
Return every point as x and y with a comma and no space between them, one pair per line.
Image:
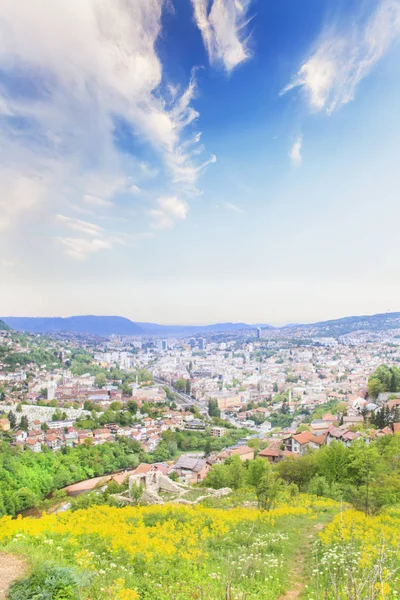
295,152
96,200
90,229
343,57
21,192
59,146
168,210
223,28
233,207
81,248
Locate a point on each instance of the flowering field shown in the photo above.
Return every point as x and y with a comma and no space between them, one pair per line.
166,552
358,557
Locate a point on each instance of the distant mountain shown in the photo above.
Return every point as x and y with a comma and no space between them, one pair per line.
185,330
106,326
90,324
345,325
4,326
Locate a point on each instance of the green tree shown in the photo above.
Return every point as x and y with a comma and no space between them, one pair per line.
12,419
24,423
298,470
268,490
100,380
256,470
180,385
333,462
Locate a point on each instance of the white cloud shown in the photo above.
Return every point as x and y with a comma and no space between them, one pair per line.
233,207
342,59
223,29
96,200
90,229
295,152
20,192
83,65
169,209
80,248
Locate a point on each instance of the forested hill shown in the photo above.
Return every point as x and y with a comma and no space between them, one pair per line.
337,327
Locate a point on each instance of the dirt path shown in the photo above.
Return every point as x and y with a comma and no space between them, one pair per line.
296,579
11,568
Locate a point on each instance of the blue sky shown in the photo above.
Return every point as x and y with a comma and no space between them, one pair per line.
191,161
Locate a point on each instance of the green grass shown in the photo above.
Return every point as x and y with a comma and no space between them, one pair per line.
251,559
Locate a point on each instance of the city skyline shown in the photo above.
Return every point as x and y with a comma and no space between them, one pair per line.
199,161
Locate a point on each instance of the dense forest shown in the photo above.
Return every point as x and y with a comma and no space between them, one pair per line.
26,478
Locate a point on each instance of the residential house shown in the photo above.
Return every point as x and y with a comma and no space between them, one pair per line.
274,455
4,425
33,445
244,452
191,469
301,442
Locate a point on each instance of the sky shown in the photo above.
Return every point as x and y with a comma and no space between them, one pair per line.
199,161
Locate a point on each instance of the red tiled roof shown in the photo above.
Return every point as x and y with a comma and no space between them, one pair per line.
242,450
270,452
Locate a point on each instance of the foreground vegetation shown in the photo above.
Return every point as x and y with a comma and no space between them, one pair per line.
358,557
163,552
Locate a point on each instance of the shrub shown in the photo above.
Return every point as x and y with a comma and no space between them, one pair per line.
46,583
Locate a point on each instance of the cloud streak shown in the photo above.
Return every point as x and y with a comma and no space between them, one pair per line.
295,152
343,58
233,207
223,29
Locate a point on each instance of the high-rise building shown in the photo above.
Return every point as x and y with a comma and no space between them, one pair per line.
192,342
164,345
202,343
258,332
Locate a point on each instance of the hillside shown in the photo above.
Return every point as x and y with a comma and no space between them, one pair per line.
346,325
4,326
193,553
164,552
89,324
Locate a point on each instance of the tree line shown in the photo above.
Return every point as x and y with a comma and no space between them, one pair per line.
366,475
26,478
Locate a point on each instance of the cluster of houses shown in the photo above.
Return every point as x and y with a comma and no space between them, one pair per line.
147,431
193,469
322,431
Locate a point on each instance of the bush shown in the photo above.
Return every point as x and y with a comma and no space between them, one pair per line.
46,583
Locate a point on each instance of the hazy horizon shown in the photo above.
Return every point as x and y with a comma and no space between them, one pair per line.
196,323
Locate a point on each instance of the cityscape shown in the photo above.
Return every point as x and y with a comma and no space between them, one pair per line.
199,315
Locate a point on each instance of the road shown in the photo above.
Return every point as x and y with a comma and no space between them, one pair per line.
184,400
